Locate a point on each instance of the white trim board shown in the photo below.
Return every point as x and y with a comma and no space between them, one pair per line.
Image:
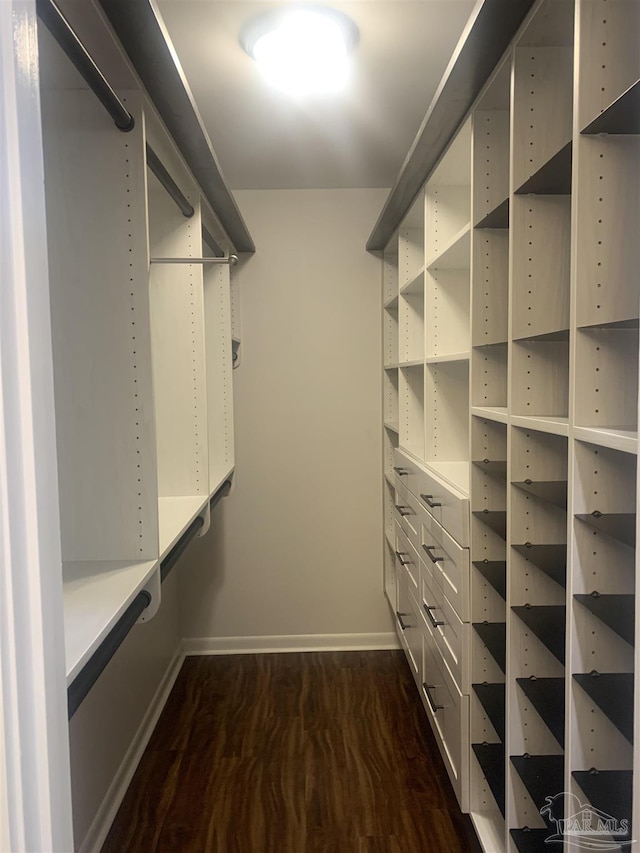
101,824
290,643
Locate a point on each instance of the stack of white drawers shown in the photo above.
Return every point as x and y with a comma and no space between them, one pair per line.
431,533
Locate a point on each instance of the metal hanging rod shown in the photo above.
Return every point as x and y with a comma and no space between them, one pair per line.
232,260
161,173
96,664
65,35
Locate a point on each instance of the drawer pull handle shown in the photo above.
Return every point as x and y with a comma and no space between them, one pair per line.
429,549
429,502
401,472
401,620
400,555
404,510
427,689
427,609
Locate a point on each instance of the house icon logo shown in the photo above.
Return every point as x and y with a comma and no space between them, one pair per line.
585,827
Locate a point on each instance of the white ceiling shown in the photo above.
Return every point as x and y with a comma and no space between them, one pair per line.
359,138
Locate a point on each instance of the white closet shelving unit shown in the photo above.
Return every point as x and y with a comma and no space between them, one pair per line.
142,350
517,452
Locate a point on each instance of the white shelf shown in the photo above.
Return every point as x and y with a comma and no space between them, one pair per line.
455,473
390,480
392,425
556,426
218,477
417,363
391,303
456,254
96,594
415,284
617,439
390,542
391,366
453,356
175,515
492,413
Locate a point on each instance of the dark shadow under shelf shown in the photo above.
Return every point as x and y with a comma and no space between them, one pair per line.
551,491
554,178
618,525
616,611
622,116
494,519
491,760
494,571
492,698
608,790
495,467
548,624
613,694
547,697
550,559
542,775
531,840
494,636
496,218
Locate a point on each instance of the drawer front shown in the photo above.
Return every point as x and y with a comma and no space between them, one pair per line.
409,627
451,636
406,470
443,552
453,510
448,712
448,507
407,562
408,512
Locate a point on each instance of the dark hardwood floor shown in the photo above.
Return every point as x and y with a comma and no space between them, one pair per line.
292,753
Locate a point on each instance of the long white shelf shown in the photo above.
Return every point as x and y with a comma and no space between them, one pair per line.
455,255
96,594
175,515
543,423
394,426
451,356
218,477
492,413
416,363
616,439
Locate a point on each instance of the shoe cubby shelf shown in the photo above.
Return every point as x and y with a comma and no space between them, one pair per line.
547,697
525,343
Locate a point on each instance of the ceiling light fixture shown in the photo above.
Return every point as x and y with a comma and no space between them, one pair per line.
302,49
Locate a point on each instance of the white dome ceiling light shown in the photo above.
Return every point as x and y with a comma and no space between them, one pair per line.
302,49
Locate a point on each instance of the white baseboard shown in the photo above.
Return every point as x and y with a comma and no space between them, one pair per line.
105,815
290,643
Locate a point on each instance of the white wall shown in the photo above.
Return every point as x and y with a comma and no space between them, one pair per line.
296,549
110,728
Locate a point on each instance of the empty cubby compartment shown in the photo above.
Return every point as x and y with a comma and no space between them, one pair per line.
489,366
607,200
490,311
447,407
607,375
390,335
411,323
447,310
491,166
411,409
411,243
540,378
609,66
541,227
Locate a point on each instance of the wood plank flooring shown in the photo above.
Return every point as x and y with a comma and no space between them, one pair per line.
292,753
